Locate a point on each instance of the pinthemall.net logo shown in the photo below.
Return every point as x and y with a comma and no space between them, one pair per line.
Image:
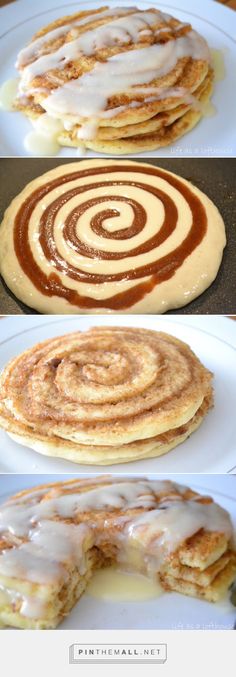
117,653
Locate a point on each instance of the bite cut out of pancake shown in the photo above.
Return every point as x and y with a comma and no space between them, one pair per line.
53,537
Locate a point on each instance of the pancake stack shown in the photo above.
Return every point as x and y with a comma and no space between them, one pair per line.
108,395
53,537
120,80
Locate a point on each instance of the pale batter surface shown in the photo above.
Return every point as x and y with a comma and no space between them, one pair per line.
110,236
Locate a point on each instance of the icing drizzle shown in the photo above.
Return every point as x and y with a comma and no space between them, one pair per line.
44,548
88,95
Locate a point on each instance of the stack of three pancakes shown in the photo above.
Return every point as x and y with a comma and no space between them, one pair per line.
116,80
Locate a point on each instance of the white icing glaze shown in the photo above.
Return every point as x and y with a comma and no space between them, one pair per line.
4,598
22,521
58,541
26,565
112,584
30,607
121,30
117,495
34,48
209,110
47,125
88,130
8,92
41,144
218,63
81,151
165,529
43,141
87,96
50,546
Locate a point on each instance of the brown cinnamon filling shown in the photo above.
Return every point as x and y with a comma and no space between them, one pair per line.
160,270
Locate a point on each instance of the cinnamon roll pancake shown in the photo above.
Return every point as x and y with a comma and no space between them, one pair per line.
55,536
113,236
115,80
107,395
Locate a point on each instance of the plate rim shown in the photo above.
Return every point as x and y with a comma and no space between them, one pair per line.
71,318
207,7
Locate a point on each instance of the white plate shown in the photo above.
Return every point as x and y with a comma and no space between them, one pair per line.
212,448
214,136
170,611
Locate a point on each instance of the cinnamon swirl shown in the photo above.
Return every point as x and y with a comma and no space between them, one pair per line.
113,236
115,80
53,537
108,395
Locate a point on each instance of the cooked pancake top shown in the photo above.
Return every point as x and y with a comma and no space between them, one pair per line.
45,528
87,65
111,383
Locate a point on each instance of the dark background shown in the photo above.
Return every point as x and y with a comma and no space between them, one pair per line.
214,176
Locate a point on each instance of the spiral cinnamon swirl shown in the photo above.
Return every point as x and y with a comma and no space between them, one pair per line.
114,236
53,537
108,395
115,80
